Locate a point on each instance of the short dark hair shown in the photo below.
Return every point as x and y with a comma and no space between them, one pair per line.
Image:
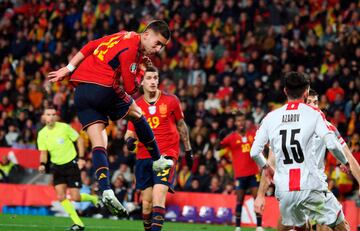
295,84
312,92
151,69
239,114
50,106
159,26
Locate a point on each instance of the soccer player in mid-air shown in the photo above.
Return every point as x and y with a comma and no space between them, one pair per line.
164,115
300,190
319,151
57,140
107,72
245,169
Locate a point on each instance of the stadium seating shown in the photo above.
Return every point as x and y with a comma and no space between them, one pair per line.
206,214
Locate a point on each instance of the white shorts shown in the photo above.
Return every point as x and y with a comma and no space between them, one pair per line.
319,206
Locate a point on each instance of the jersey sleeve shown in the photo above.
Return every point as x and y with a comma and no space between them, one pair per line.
226,142
337,133
71,133
41,142
261,138
321,128
129,69
89,48
177,109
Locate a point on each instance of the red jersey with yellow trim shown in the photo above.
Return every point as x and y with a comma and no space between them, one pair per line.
109,58
162,117
240,147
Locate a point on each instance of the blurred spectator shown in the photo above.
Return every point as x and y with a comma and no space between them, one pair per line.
5,169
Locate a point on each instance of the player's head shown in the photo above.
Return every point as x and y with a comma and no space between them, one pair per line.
155,36
240,121
296,85
313,98
50,116
150,80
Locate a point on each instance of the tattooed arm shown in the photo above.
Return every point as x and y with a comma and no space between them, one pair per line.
184,134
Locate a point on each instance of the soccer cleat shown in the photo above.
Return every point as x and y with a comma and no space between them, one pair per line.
162,163
259,229
76,227
113,205
238,229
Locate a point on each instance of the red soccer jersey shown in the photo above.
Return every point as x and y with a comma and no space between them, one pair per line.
240,147
109,58
162,117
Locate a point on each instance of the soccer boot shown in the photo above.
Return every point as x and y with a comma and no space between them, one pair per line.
113,205
76,227
162,163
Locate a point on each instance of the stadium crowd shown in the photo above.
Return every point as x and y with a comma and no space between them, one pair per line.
224,56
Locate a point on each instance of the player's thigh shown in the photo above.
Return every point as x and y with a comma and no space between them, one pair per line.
166,177
92,102
144,173
97,135
292,213
159,194
343,226
134,112
324,208
123,108
254,184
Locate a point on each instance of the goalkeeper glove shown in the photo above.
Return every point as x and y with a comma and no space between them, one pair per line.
189,158
131,144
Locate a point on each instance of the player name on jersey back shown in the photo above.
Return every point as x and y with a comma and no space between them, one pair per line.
291,118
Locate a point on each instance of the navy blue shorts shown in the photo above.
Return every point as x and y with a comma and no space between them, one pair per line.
146,177
95,103
246,182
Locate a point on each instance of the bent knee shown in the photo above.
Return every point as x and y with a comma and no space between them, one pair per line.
147,206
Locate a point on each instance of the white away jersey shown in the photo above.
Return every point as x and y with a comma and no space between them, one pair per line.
290,131
320,149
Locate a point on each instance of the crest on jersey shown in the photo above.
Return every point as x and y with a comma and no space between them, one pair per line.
244,139
163,108
152,109
133,68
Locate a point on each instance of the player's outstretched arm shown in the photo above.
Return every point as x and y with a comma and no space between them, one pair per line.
56,76
354,165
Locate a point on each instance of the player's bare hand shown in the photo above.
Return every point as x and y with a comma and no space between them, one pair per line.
269,173
81,163
147,61
41,169
259,204
56,76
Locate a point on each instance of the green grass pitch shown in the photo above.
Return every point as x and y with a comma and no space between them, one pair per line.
39,223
